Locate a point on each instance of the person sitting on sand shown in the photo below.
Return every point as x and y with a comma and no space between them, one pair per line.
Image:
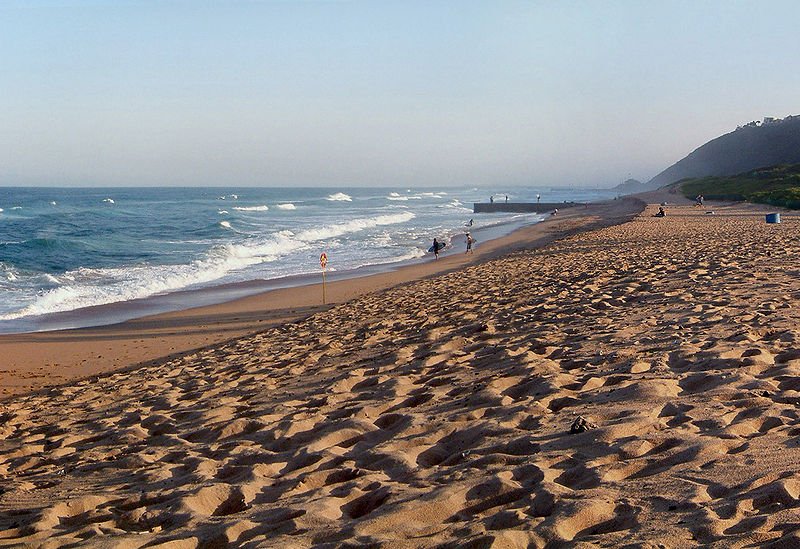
555,212
661,212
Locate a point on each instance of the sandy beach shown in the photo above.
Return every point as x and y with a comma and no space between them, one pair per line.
604,378
36,360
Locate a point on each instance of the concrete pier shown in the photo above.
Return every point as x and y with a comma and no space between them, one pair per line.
520,207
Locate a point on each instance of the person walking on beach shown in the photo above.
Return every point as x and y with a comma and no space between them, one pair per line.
491,199
436,248
469,244
506,199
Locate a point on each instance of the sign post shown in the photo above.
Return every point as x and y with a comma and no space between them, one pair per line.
323,262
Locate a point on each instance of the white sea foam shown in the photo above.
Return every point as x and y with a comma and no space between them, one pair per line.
52,202
354,225
16,208
262,208
8,271
108,200
339,197
456,205
287,206
90,287
383,239
50,278
222,212
404,198
1,209
226,224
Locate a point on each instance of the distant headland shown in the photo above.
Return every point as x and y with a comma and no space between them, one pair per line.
751,146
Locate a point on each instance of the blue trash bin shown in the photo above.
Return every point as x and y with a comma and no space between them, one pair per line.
774,218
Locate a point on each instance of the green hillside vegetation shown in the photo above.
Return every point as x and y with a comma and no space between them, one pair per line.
777,186
773,142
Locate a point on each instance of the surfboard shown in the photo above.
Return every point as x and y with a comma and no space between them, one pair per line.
442,246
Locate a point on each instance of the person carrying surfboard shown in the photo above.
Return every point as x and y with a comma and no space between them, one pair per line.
436,248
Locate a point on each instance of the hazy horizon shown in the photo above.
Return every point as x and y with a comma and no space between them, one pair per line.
417,94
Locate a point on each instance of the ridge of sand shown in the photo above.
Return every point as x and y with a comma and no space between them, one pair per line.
438,413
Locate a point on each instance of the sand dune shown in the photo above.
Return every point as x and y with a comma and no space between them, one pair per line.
439,412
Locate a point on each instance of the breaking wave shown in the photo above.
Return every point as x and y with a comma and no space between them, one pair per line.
262,208
87,287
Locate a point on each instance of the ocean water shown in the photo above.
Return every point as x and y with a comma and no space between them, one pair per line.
67,249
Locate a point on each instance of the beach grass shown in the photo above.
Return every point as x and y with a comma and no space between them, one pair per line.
777,186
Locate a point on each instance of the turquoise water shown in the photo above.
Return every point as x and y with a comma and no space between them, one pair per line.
67,249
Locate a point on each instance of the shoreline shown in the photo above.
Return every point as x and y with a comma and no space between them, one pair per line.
36,360
604,389
219,293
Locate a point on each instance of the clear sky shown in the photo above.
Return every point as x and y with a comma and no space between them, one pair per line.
281,93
